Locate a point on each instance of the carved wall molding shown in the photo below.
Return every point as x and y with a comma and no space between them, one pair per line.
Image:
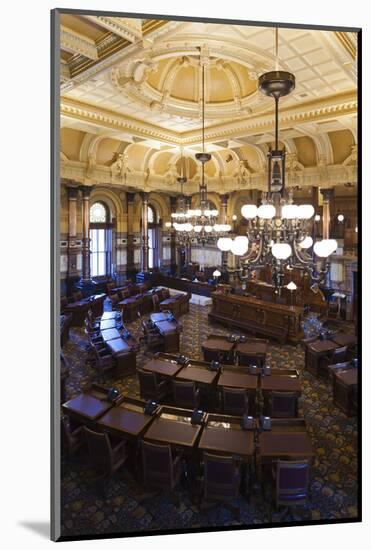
74,42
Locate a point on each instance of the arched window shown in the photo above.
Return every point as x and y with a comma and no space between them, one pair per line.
100,240
153,238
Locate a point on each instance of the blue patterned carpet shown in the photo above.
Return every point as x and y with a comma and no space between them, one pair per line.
126,508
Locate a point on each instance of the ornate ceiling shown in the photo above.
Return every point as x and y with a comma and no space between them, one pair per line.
131,103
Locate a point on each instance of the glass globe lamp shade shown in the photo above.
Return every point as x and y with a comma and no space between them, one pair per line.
216,273
340,218
208,228
292,286
290,211
305,211
217,227
240,245
225,227
214,213
249,211
306,242
317,218
224,244
281,251
325,248
167,224
266,211
197,212
234,217
188,227
197,228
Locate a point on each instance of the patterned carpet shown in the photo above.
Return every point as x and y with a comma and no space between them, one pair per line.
125,507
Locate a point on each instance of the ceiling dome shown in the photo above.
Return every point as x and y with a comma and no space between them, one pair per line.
173,85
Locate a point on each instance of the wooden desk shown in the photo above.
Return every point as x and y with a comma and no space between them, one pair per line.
130,307
109,315
199,374
291,445
86,407
118,345
79,310
279,321
251,352
280,383
344,383
316,353
169,330
227,437
125,420
283,425
110,334
218,348
159,316
236,378
162,367
343,339
107,324
174,426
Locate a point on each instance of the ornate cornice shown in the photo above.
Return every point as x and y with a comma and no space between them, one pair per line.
313,111
76,43
127,28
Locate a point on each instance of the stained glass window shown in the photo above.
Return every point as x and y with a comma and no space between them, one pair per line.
98,213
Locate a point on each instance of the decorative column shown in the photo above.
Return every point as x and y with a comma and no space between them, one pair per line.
72,230
130,264
144,232
173,258
327,195
86,233
223,220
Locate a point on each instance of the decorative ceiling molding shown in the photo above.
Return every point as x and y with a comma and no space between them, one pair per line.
321,109
77,43
128,28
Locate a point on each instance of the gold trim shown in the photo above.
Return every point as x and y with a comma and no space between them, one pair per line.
347,43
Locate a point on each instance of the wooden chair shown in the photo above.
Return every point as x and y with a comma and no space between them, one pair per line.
161,469
186,394
72,439
155,302
152,338
104,458
103,359
150,387
115,299
221,482
291,483
282,405
235,401
339,355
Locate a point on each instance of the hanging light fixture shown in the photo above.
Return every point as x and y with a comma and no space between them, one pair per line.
278,229
180,218
204,220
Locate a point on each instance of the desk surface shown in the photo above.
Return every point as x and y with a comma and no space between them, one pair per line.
344,339
118,345
109,315
125,421
197,374
167,327
110,334
348,377
227,440
285,444
221,343
162,366
173,431
280,383
253,348
107,323
322,346
238,379
159,316
87,406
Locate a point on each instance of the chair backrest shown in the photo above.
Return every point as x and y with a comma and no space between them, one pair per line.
246,360
235,401
222,477
340,354
292,482
283,405
115,299
64,302
77,295
125,293
157,465
100,451
147,383
155,302
184,393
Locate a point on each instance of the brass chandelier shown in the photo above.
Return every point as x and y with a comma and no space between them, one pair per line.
278,233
